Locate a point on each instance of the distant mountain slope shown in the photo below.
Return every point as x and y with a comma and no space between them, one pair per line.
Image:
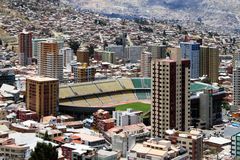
217,13
176,4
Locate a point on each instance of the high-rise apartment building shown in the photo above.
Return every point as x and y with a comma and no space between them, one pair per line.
83,56
158,51
236,58
209,62
191,51
236,79
67,56
84,73
117,49
42,95
235,145
108,57
236,86
54,66
146,58
133,53
170,94
36,47
50,60
25,48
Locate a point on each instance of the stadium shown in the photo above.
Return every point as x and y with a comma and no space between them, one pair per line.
84,98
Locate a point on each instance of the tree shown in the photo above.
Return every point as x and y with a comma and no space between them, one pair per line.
119,41
207,80
164,33
164,42
44,151
74,45
210,34
225,106
6,45
91,50
105,45
100,22
179,28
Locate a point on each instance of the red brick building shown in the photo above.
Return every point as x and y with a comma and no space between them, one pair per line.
100,115
106,124
25,47
25,115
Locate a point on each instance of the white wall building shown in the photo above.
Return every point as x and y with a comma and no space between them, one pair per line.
129,117
191,51
133,53
158,51
54,66
36,47
67,55
117,49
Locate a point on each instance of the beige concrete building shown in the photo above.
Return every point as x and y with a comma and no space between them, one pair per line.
50,60
146,58
108,57
52,133
157,150
192,141
9,150
209,62
83,56
84,73
236,58
158,51
68,56
170,94
42,95
236,86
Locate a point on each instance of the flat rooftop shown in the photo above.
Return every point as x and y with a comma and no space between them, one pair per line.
42,79
89,138
27,139
219,140
139,148
199,86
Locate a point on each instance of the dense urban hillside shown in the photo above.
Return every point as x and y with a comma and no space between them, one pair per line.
218,13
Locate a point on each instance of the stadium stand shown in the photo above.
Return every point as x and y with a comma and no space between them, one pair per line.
65,92
93,101
118,97
80,102
148,92
137,83
141,83
85,89
69,103
104,93
141,95
109,86
105,99
130,96
126,83
146,83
